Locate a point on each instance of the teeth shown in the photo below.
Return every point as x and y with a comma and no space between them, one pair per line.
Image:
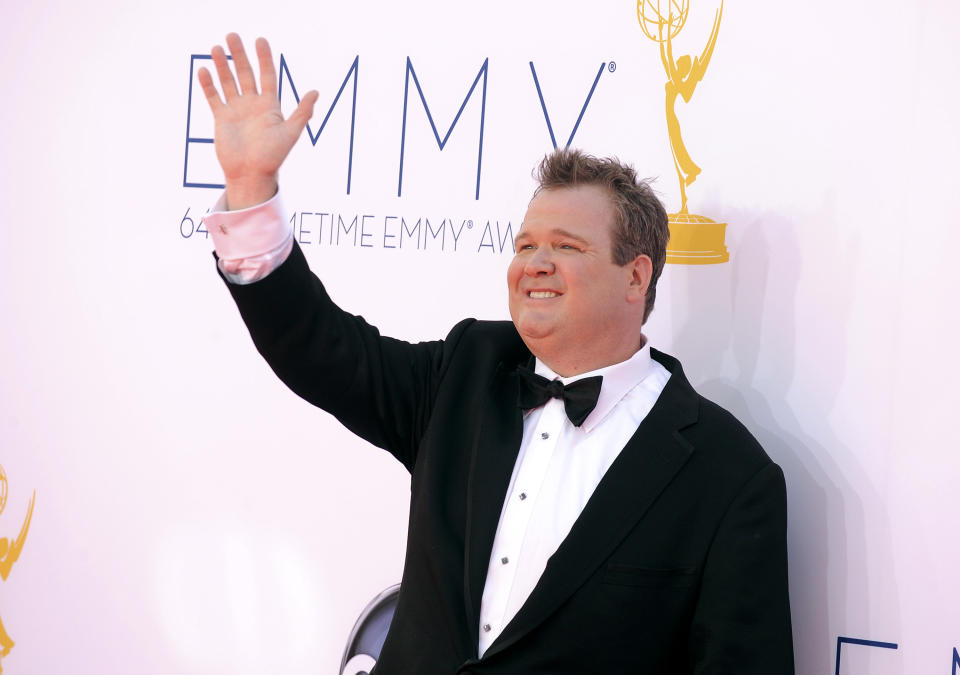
542,294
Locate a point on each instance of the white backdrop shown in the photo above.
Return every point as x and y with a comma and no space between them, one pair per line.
193,516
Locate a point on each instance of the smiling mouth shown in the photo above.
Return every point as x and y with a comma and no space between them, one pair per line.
539,295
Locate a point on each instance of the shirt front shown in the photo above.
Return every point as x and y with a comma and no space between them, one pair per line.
557,470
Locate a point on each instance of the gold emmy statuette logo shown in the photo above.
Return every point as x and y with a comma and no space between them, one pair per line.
694,240
9,552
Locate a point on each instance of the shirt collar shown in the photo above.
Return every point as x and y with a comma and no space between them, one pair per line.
618,380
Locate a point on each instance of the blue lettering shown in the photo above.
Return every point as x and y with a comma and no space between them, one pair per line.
386,224
329,230
347,230
507,236
363,232
302,231
956,661
190,139
546,115
486,239
430,232
352,72
410,233
857,641
436,134
456,233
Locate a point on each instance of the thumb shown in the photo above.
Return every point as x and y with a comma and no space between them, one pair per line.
298,120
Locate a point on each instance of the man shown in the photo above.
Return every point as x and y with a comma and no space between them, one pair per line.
595,515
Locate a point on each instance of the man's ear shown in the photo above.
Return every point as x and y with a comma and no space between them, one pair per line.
641,269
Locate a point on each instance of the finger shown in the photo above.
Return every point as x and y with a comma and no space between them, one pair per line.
227,84
248,85
210,91
304,111
268,73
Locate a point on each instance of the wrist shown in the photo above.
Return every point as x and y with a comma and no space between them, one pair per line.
242,194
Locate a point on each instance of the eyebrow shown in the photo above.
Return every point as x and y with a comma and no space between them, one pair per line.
556,231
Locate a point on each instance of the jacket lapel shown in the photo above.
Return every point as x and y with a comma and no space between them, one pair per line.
647,464
496,445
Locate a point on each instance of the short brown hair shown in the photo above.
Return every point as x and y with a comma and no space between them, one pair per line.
640,225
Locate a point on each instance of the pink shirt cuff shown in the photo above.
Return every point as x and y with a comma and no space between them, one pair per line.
252,242
247,232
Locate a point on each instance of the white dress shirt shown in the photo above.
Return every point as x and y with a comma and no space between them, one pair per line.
558,466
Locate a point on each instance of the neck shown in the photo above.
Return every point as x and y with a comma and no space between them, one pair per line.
567,362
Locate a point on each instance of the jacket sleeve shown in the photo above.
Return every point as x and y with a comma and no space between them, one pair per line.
741,624
380,388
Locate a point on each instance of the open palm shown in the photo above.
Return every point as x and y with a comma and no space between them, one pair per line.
251,137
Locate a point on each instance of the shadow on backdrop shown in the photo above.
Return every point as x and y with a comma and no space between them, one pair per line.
728,316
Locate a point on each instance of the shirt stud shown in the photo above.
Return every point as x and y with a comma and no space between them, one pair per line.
504,560
523,495
486,628
544,435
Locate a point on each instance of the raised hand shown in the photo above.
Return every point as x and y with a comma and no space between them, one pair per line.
250,135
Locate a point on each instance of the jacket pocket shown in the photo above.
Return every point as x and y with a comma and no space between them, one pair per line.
650,577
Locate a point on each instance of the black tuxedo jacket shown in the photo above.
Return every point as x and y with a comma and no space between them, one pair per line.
676,565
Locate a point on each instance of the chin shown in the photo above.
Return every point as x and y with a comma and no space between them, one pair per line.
534,330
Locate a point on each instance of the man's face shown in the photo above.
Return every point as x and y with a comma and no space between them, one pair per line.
565,291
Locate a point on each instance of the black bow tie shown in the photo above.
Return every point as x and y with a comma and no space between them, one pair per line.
579,398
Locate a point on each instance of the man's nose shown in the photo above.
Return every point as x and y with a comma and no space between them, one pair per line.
539,263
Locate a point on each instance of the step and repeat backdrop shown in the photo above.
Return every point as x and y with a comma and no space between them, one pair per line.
168,506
